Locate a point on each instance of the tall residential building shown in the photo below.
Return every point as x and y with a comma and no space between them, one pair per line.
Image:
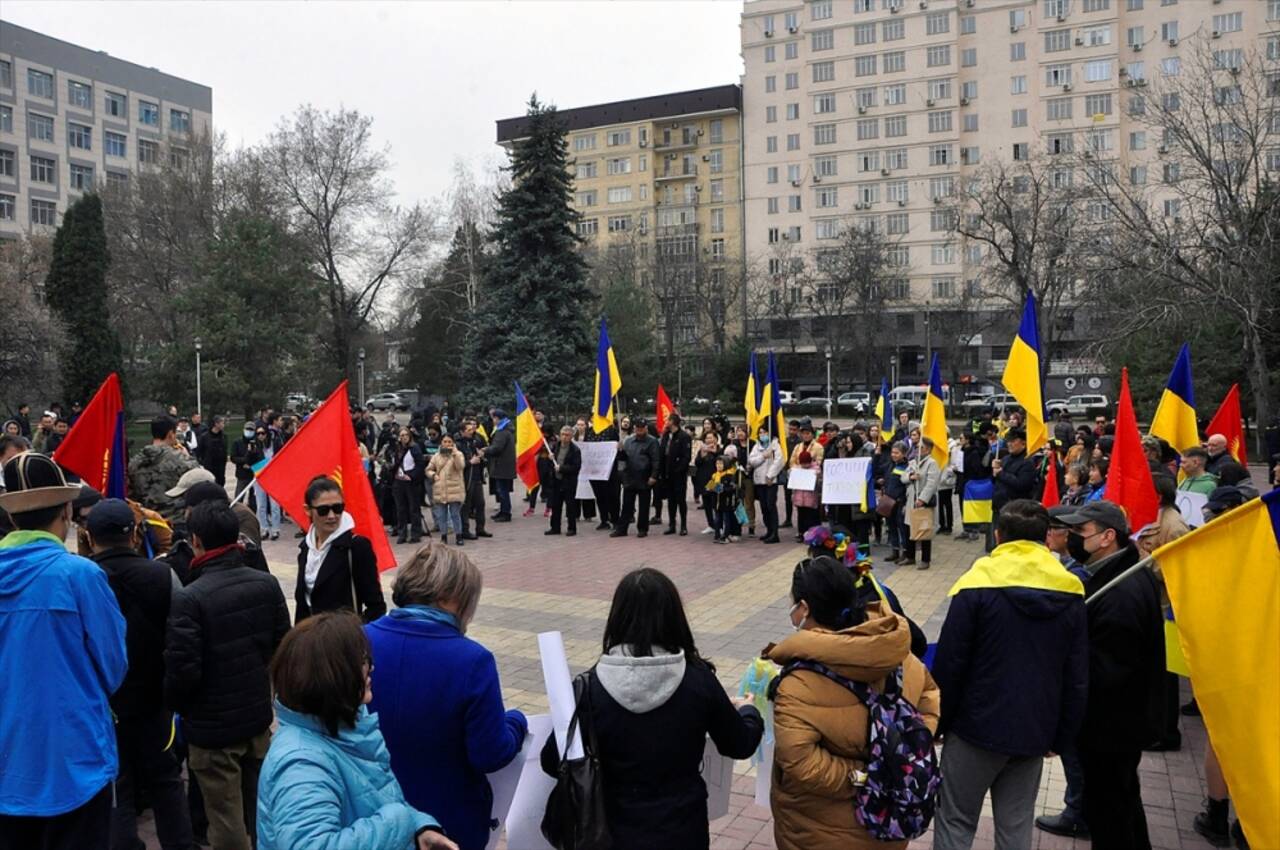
658,183
71,118
872,112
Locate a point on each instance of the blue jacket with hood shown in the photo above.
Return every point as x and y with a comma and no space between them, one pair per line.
62,655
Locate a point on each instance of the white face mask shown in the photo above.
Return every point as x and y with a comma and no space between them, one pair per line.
791,618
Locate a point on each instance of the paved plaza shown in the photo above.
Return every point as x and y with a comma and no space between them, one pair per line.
737,600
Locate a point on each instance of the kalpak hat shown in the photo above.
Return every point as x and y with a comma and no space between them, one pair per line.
32,482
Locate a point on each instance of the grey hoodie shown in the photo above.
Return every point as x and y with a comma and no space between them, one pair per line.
640,683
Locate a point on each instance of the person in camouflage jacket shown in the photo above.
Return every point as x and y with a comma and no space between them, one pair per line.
157,468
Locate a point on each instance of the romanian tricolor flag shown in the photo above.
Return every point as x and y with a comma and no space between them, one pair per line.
1022,376
664,408
751,400
94,447
884,412
529,439
934,422
1175,419
1229,422
771,407
1228,621
608,382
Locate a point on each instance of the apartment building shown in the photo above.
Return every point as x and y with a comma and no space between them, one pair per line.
72,118
872,112
658,182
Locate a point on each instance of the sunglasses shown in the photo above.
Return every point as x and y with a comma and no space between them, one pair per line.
325,510
261,433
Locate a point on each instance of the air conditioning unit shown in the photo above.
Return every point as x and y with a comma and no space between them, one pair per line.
706,157
1124,72
1235,70
893,10
1061,18
675,126
793,30
1137,48
1173,42
1066,86
1217,34
700,132
862,110
697,188
1142,83
970,3
929,102
1079,41
964,101
643,143
1131,83
817,178
795,183
768,33
1013,28
1162,149
924,4
902,203
884,172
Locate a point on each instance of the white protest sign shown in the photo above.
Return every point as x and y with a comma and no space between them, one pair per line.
597,460
555,673
802,479
520,792
844,480
717,773
584,490
764,774
1191,506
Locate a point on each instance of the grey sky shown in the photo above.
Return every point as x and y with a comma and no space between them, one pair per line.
434,76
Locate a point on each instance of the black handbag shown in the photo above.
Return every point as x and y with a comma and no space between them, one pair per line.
575,817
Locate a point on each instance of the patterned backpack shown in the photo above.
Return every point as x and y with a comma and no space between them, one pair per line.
897,800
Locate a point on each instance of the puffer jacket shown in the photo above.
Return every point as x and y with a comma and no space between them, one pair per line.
446,474
820,727
318,792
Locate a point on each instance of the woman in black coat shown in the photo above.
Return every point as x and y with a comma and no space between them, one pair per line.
652,700
407,469
676,448
337,569
704,466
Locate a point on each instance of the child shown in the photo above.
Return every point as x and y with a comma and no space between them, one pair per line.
724,484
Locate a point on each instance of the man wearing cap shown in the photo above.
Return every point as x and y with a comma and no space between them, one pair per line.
62,655
143,725
157,467
201,490
640,473
501,454
1126,674
249,527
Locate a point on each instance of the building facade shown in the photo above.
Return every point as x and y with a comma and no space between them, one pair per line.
73,118
873,112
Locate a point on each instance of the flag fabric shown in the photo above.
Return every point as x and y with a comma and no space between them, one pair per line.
1229,422
1021,377
94,448
934,422
884,412
256,468
528,441
1051,497
1129,482
326,445
1228,621
751,399
773,407
608,381
1175,419
665,409
977,501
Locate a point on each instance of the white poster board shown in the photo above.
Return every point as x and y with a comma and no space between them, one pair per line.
555,673
802,479
764,775
717,773
520,792
1191,506
597,460
844,480
584,490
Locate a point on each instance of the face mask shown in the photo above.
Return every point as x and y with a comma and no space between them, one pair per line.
791,618
248,434
764,441
1075,547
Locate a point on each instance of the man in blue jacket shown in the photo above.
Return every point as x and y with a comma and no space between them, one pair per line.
62,655
1013,660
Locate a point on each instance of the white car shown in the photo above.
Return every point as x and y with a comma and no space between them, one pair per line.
998,401
387,401
859,402
1054,406
1088,405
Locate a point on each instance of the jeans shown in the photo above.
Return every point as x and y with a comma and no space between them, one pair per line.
728,525
970,771
502,489
229,780
85,828
268,510
448,515
767,496
146,765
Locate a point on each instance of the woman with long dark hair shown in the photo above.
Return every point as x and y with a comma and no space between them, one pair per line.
336,567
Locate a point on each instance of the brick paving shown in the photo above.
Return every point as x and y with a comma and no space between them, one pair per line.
737,601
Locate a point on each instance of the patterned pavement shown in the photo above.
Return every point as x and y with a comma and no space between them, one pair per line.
737,600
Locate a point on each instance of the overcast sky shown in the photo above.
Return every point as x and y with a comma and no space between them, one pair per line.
434,76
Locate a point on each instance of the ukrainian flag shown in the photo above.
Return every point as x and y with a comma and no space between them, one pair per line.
1175,419
751,400
1228,622
528,441
884,412
608,382
934,422
977,501
771,406
1022,375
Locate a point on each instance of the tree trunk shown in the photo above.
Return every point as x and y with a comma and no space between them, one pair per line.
1260,378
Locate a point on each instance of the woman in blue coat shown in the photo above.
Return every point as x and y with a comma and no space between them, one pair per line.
326,783
437,696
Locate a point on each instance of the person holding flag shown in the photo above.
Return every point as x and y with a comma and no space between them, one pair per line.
753,400
1021,376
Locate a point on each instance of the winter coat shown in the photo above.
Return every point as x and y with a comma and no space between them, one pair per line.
447,473
725,488
651,716
212,452
223,629
472,473
62,654
154,469
437,695
502,454
1013,660
820,727
766,463
925,487
349,562
807,498
642,458
564,478
704,466
1064,432
143,589
1017,480
240,458
318,792
396,452
676,449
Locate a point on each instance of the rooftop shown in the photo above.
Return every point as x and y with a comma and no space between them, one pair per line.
714,99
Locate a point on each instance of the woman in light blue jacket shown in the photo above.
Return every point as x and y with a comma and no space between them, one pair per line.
326,783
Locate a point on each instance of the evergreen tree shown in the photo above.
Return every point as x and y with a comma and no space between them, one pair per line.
536,312
436,343
76,290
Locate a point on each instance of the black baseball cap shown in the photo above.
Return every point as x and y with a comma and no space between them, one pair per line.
204,491
1104,513
110,518
1057,512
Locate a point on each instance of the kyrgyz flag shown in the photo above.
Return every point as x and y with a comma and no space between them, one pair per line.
1230,423
1129,482
528,441
665,409
94,447
326,445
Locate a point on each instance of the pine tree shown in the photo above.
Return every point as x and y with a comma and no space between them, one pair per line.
536,312
76,290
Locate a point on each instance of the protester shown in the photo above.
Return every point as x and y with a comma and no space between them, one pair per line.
326,781
223,628
1196,479
472,447
337,569
949,479
724,488
62,655
1169,526
212,450
406,460
447,472
436,690
43,431
820,725
675,448
1217,453
563,483
743,443
641,457
894,486
806,454
263,448
704,466
1096,486
1012,661
180,554
922,499
157,467
651,700
767,463
240,460
501,455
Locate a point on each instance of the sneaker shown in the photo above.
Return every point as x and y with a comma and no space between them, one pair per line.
1062,824
964,535
527,513
275,535
604,526
719,540
924,565
708,530
733,538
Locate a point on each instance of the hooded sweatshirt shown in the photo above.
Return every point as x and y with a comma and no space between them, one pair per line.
62,655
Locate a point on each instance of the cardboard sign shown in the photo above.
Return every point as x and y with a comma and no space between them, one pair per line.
597,460
520,792
844,480
802,479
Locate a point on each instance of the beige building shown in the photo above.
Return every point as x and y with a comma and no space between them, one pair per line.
72,118
874,111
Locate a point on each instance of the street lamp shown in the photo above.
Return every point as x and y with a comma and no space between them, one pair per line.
893,369
680,382
199,408
928,338
828,384
360,358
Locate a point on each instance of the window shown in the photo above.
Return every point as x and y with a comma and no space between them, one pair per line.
717,191
585,199
1134,35
793,233
1019,118
43,170
824,72
942,255
1018,84
895,159
791,50
864,66
968,24
864,34
1138,175
619,223
894,30
793,109
44,212
895,127
771,175
40,127
827,197
1138,140
1017,51
772,206
770,84
770,54
822,39
584,143
971,123
1172,172
897,224
1097,70
944,287
865,98
621,165
969,89
8,167
6,119
824,166
6,74
1057,143
716,131
79,95
768,25
895,95
715,161
792,20
793,80
771,115
1233,22
1060,178
940,220
793,141
793,173
827,228
824,134
1095,5
940,155
177,157
1169,31
149,151
1057,75
937,23
620,195
864,5
1097,36
938,55
585,170
1097,104
1225,59
7,207
1057,40
770,144
868,128
39,84
1137,70
82,177
899,289
1273,10
1173,208
895,62
1058,108
1021,151
1171,101
896,191
941,187
1056,8
869,193
149,113
825,103
968,57
80,136
617,138
940,122
820,10
793,203
1171,67
940,89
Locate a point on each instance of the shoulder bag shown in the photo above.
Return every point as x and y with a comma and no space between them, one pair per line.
575,816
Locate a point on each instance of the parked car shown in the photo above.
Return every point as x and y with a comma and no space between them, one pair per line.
1088,405
858,402
295,402
999,401
1055,406
816,402
786,397
910,399
387,401
700,401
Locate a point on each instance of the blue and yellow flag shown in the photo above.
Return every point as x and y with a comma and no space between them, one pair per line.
977,501
751,399
608,382
771,407
884,412
934,422
1175,419
1228,621
1022,375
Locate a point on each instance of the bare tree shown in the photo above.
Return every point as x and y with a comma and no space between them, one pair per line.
471,212
780,292
849,295
33,336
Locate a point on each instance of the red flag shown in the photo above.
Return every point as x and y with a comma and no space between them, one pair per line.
1129,483
326,445
1230,423
665,409
94,447
1050,497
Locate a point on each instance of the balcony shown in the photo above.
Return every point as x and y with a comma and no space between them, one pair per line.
686,140
677,171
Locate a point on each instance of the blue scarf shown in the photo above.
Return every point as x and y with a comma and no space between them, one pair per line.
502,423
425,614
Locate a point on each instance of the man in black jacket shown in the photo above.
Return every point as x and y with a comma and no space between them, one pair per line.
501,455
223,629
676,449
472,447
1126,675
1013,476
640,473
211,450
564,488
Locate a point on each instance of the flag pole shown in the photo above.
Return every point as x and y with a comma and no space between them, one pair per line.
1143,564
242,493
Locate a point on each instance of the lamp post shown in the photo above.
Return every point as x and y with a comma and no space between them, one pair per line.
680,382
360,359
893,369
199,407
828,384
928,338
